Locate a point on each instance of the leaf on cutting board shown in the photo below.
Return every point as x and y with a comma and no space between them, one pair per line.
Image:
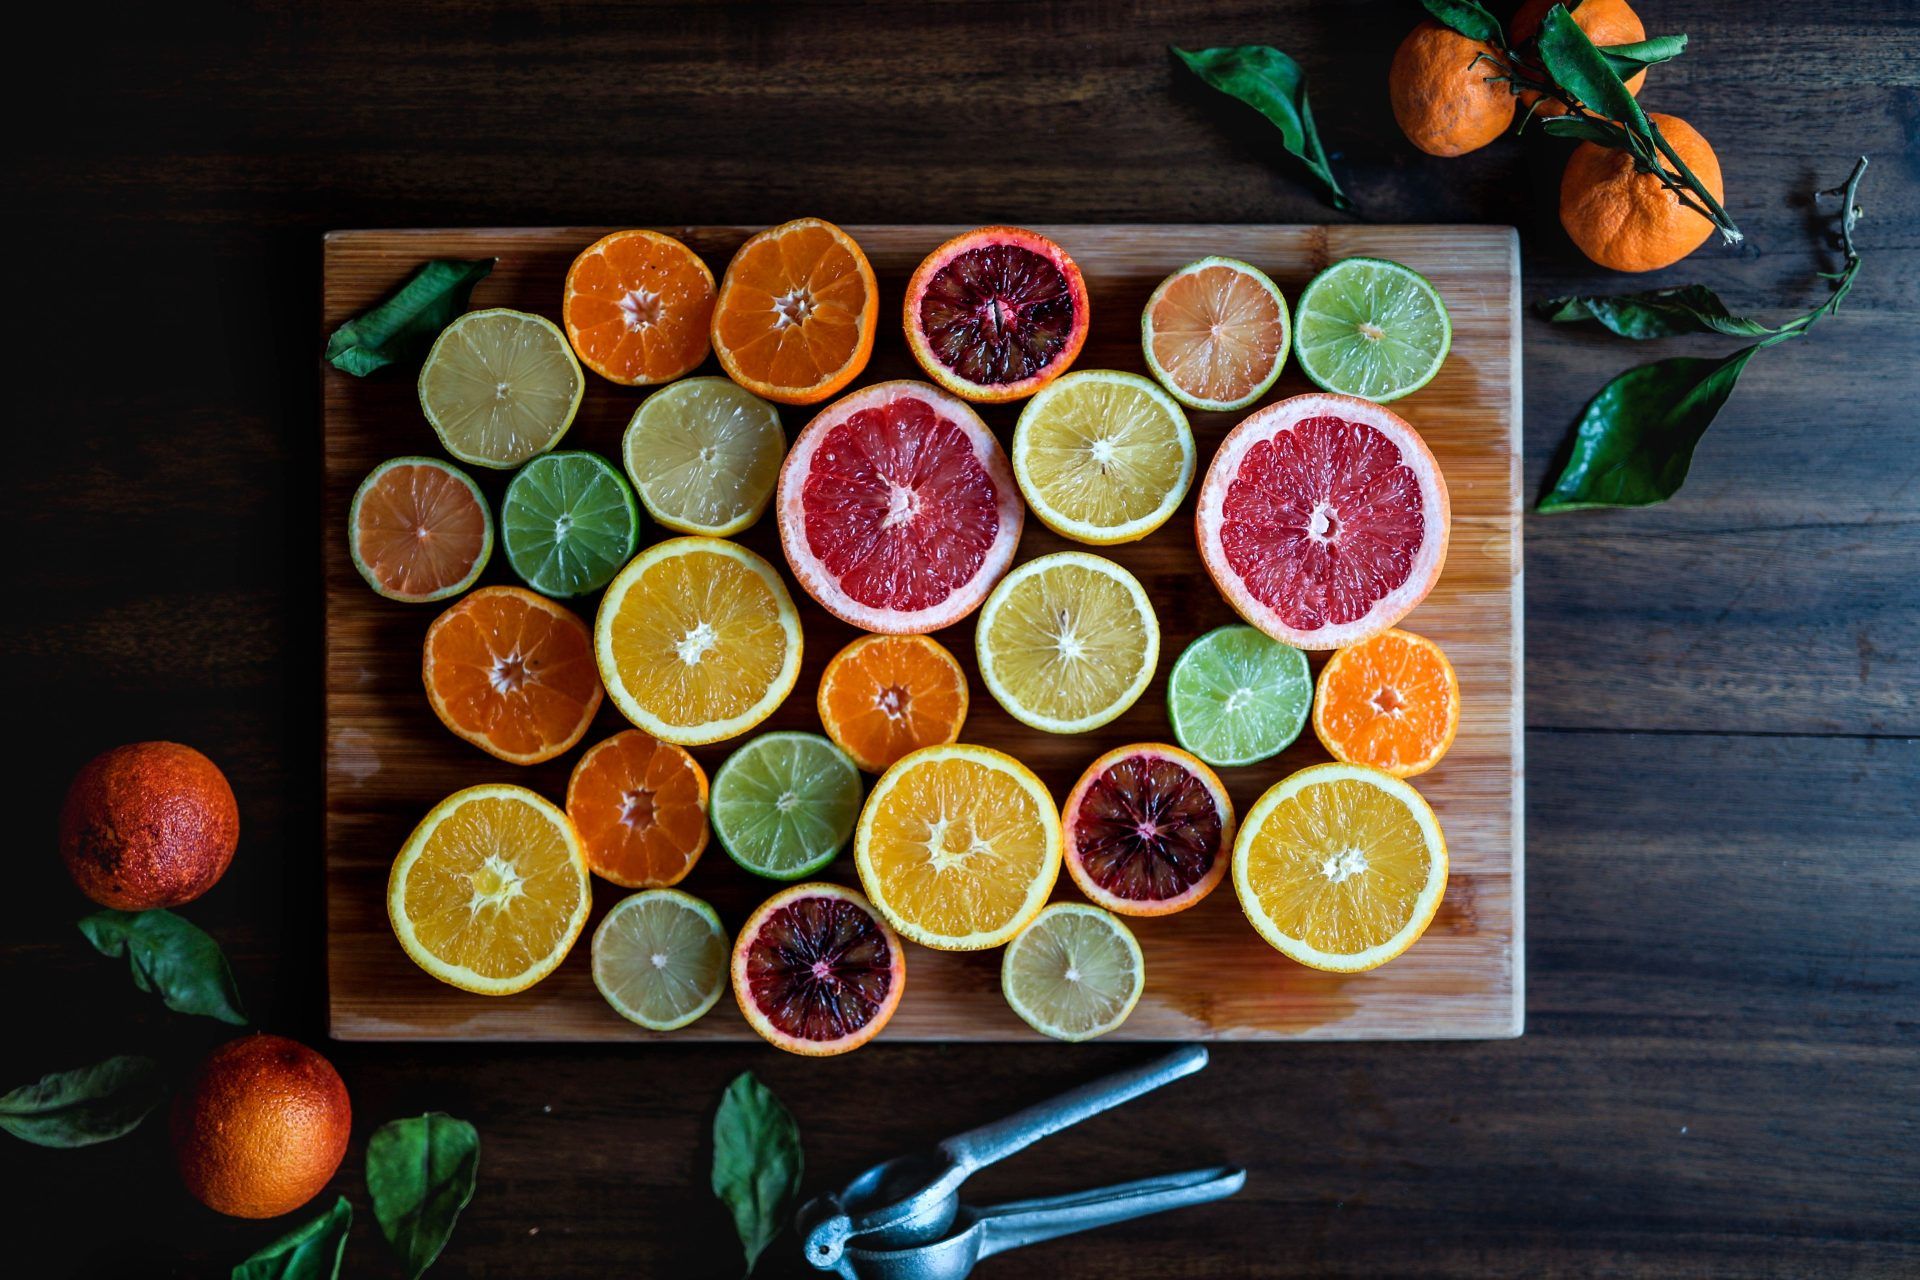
756,1162
172,956
1663,313
1271,83
86,1105
309,1252
421,1173
402,327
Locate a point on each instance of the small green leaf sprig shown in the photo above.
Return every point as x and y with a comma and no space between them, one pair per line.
1273,84
756,1162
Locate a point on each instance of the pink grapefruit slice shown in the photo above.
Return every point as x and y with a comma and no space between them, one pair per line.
1149,830
898,509
997,313
817,971
1323,519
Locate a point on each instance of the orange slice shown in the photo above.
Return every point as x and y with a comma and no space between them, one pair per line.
640,805
1392,702
883,696
796,314
958,847
512,673
637,307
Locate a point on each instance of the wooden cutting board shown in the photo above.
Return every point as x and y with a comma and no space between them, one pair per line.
388,760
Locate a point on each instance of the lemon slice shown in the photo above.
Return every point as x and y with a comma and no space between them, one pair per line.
697,640
958,846
1074,973
660,958
490,891
1340,866
500,386
704,455
1103,457
1067,642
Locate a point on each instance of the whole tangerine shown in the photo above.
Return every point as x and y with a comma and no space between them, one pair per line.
261,1127
1606,22
149,824
1625,219
1444,97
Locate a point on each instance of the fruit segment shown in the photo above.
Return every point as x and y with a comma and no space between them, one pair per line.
512,673
785,803
1371,328
660,959
569,522
500,386
704,456
637,307
1067,642
1238,697
1074,973
797,312
883,696
1392,702
640,806
1103,457
1216,333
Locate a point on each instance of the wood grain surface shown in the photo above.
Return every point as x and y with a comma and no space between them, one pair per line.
1208,974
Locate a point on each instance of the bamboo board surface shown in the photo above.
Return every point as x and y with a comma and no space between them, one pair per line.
1209,976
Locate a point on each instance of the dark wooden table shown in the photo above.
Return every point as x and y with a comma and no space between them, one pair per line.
1721,1072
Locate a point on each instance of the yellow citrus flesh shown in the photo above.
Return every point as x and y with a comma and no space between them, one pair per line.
704,456
958,847
1103,457
491,890
500,386
1067,642
697,640
1340,866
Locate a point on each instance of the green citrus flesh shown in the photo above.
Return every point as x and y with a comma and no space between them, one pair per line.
1371,328
568,523
785,803
1238,696
500,386
660,958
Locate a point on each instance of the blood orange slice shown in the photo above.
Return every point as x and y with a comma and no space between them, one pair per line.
1149,830
1323,520
816,971
997,313
897,508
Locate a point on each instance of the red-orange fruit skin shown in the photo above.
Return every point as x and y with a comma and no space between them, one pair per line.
149,824
261,1127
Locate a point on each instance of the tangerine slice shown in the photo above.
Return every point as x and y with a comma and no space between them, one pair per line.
817,971
884,696
1392,702
512,672
796,313
640,805
638,306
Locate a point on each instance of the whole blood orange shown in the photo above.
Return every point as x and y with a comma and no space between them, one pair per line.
817,971
1149,830
997,313
797,311
638,306
1444,93
898,509
1625,219
1605,22
150,824
261,1127
1323,520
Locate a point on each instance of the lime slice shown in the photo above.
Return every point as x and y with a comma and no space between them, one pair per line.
660,958
1102,456
1371,328
704,455
1074,973
568,523
1238,696
785,803
500,386
1215,333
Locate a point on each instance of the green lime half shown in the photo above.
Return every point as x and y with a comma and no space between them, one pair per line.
1238,696
568,523
660,958
1371,328
785,803
500,386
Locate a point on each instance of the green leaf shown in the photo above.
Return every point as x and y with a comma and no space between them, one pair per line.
756,1162
1634,441
1587,129
405,325
420,1175
1271,83
1468,18
86,1105
172,956
1629,60
1692,308
1582,70
310,1252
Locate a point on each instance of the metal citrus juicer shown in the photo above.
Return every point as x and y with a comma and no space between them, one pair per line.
902,1219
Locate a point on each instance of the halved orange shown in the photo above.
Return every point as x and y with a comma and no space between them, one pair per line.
637,307
640,805
883,696
512,672
1392,702
796,314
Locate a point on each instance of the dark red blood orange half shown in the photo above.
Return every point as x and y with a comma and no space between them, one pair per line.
1323,519
897,508
817,971
1149,830
997,313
